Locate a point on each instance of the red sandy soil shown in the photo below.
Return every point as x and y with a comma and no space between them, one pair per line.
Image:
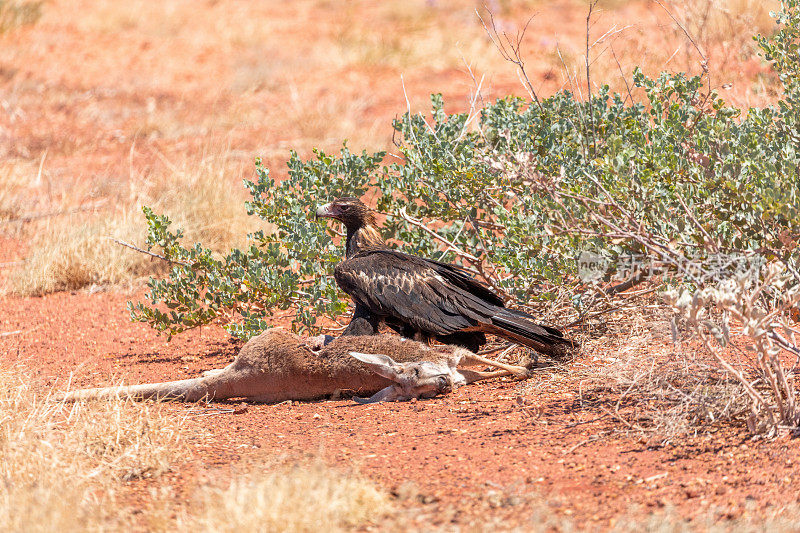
481,453
76,91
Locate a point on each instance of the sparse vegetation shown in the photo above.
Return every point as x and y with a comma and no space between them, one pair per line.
64,467
61,466
83,254
300,498
783,520
515,197
84,127
18,13
11,202
657,390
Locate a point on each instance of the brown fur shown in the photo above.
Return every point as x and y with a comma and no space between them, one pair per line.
277,366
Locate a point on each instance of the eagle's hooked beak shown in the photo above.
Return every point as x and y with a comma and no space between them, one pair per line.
325,211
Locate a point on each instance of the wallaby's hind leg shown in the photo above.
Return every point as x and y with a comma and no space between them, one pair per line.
514,370
475,375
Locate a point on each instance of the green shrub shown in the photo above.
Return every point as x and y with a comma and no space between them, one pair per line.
518,196
676,181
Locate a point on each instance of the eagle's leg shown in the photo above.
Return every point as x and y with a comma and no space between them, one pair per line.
517,371
471,340
362,323
421,337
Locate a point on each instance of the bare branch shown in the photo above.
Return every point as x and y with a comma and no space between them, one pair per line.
147,252
704,63
589,79
622,75
591,315
709,240
627,284
575,88
478,96
450,245
510,51
38,216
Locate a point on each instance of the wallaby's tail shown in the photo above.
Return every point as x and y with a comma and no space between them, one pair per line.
520,327
191,390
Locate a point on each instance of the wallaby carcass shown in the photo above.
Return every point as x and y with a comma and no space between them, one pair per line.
277,366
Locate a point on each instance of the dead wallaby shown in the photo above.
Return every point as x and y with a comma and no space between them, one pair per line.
277,366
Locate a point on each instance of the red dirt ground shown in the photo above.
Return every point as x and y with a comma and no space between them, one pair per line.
478,454
96,90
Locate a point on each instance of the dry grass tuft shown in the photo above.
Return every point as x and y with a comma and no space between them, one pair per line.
649,385
75,252
205,198
61,465
674,392
778,520
18,13
67,467
12,189
71,256
309,497
726,26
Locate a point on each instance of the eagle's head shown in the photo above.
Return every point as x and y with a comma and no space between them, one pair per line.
350,211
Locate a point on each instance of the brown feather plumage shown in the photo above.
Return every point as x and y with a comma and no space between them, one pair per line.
421,298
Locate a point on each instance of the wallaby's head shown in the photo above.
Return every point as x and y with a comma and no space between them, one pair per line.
423,379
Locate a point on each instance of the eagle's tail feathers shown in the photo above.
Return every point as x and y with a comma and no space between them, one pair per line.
519,327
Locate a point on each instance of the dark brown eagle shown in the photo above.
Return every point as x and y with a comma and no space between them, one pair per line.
421,298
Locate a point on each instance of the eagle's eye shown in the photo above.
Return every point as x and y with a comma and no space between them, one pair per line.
441,382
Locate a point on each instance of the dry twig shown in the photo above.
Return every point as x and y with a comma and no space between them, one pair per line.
510,51
147,252
38,216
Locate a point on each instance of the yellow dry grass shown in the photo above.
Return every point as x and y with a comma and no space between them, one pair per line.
780,519
720,30
62,466
727,25
19,13
11,189
69,467
391,35
71,252
301,498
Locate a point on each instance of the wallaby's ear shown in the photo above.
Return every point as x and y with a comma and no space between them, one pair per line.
389,394
383,365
